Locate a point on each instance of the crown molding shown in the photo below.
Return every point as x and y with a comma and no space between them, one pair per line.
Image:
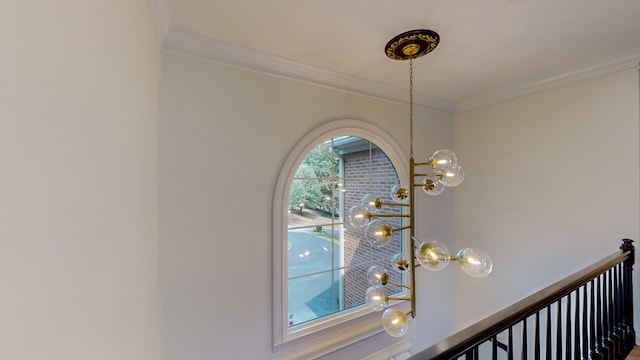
162,18
200,46
196,45
627,62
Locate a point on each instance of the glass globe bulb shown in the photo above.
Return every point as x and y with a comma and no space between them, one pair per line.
377,275
399,194
370,202
359,216
433,255
395,322
443,159
376,298
475,262
378,234
452,177
400,263
432,186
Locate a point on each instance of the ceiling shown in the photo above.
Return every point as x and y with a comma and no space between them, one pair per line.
489,51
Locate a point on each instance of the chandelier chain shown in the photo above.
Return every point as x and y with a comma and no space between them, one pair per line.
411,107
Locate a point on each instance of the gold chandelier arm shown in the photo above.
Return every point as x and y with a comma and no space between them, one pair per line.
429,174
393,204
432,163
399,298
398,284
387,216
402,228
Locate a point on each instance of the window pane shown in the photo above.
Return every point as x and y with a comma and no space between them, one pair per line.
311,252
323,162
311,297
359,256
314,202
327,259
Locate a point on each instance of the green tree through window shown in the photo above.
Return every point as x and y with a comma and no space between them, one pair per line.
315,189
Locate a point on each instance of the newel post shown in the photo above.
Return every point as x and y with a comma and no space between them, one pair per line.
630,333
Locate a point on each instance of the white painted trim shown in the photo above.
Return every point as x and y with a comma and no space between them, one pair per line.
334,333
200,46
623,63
162,18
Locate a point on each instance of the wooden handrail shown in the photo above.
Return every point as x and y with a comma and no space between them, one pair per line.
486,329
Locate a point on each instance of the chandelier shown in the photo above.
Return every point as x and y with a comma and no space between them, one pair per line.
441,170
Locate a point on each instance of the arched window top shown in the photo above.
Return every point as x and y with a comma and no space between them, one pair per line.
318,261
339,128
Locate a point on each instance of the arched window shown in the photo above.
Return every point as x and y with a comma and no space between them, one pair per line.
320,261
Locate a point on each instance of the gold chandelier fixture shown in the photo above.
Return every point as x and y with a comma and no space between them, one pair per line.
440,170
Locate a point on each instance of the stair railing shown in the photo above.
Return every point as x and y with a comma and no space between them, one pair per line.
588,315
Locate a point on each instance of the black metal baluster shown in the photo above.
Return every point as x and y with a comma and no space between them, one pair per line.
619,309
627,245
510,341
536,343
616,310
559,332
494,347
585,322
595,355
524,339
612,312
576,342
606,308
605,317
601,315
568,325
469,355
548,339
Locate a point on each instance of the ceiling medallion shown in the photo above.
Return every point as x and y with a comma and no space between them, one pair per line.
412,44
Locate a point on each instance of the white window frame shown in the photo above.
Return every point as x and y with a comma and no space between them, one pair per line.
338,330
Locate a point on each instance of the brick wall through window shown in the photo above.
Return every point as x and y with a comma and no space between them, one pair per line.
368,172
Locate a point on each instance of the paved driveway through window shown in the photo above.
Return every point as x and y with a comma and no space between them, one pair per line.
313,286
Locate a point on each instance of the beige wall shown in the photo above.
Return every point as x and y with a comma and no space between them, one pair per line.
78,200
552,185
224,134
